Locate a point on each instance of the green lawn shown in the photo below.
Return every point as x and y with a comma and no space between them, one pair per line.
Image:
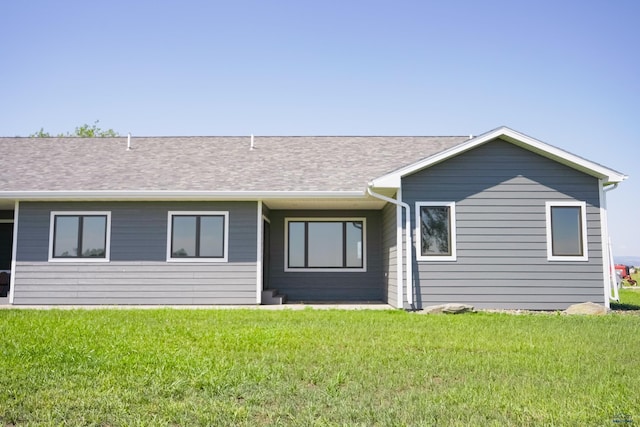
629,300
314,367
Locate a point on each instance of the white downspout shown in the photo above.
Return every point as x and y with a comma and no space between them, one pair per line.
611,287
399,253
407,229
613,283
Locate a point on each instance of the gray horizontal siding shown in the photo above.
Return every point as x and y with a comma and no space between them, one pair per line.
390,254
135,283
138,272
138,229
328,286
500,192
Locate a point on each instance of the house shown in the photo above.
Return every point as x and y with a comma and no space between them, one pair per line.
500,220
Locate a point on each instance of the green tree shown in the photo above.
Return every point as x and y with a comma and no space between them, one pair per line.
40,134
84,131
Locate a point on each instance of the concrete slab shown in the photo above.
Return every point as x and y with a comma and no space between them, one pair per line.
332,306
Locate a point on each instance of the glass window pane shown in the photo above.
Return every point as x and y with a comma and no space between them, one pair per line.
66,236
94,236
566,231
325,244
296,244
183,239
354,244
436,230
212,236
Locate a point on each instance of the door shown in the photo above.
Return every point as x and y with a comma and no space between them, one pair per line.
6,246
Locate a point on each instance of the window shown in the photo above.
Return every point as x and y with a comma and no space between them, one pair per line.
198,236
436,231
566,231
79,236
325,244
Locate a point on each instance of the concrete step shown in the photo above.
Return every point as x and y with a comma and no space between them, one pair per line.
272,297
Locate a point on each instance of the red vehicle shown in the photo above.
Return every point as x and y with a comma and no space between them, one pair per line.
623,272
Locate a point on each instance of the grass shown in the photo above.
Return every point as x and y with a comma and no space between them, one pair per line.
313,367
629,300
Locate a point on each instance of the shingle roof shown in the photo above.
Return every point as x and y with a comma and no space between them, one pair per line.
208,163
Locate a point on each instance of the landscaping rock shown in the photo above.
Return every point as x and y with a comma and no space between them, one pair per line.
586,308
448,309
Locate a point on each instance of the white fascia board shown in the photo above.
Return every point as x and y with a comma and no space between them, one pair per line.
176,195
609,176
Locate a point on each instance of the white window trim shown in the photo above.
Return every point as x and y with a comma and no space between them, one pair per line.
583,215
225,248
325,270
107,248
454,246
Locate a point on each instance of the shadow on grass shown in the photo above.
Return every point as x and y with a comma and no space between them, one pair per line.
624,307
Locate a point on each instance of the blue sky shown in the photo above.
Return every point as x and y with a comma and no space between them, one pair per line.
565,72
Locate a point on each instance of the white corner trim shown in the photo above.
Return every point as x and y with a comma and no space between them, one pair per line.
583,230
452,221
288,269
14,252
224,258
107,244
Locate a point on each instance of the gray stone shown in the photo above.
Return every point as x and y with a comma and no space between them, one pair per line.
450,308
586,308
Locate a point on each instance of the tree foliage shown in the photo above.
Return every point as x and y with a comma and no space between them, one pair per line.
435,230
83,131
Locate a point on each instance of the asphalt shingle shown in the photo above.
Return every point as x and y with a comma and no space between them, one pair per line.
296,163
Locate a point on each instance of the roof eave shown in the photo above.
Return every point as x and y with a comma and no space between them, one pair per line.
175,195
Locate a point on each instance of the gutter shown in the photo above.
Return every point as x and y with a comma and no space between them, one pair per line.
174,195
407,228
606,190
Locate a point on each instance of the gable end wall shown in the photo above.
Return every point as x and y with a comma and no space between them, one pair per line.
500,192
